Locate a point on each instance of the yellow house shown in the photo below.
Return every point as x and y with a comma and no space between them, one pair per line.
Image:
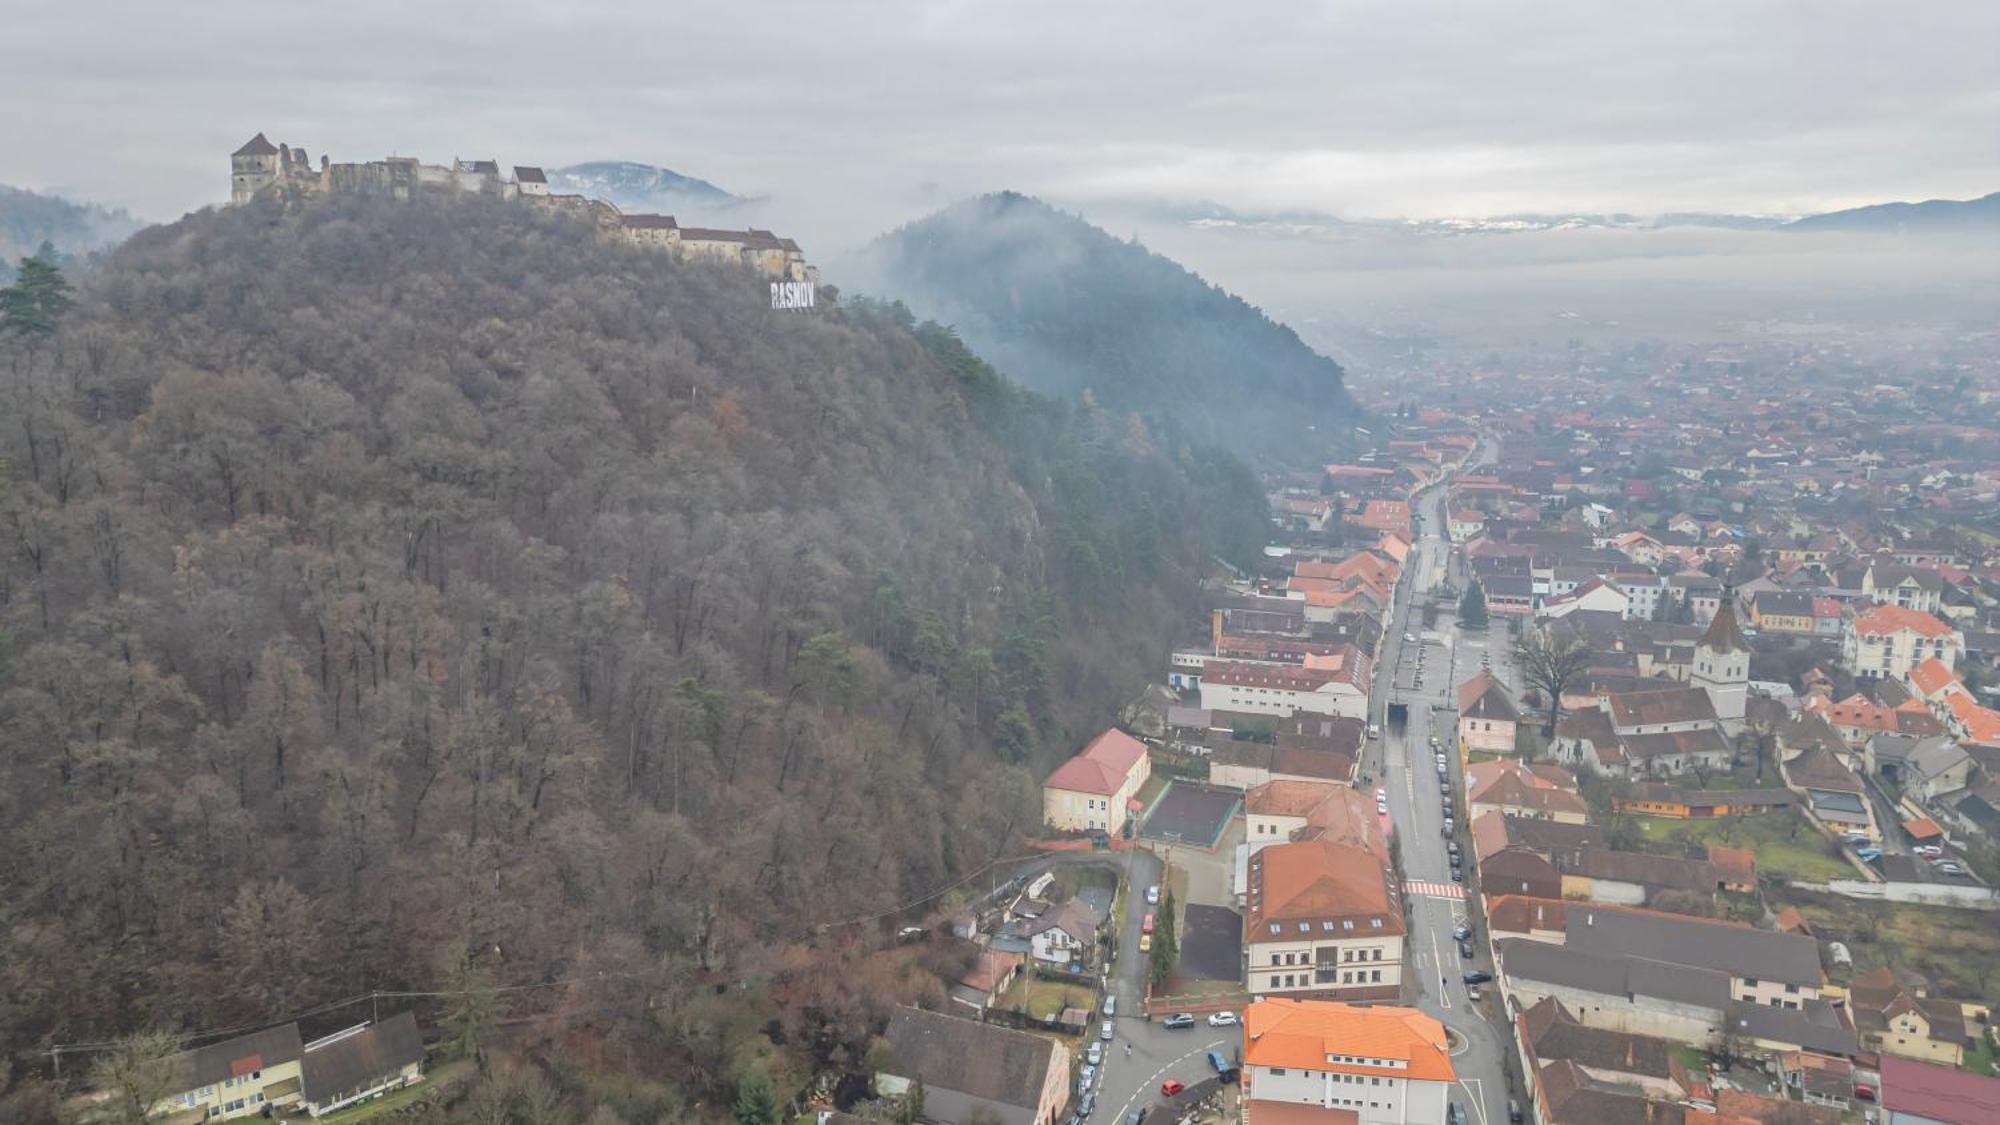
1093,789
234,1078
1897,1021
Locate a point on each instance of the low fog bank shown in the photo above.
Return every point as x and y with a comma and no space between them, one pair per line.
1348,290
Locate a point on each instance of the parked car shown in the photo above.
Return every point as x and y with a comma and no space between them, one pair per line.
1477,976
1374,730
1461,931
1110,1004
1442,768
1930,851
1382,808
1153,895
1084,1078
1444,786
1472,992
1451,826
1381,794
1465,951
1145,943
1178,1020
1095,1054
1434,740
912,933
1864,1092
1513,1111
1220,1064
1409,638
1458,875
1456,859
1222,1019
1950,868
1854,837
1146,923
1137,1115
1455,1115
1172,1087
1089,1103
1105,1031
1868,855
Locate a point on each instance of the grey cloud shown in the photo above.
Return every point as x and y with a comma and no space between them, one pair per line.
845,111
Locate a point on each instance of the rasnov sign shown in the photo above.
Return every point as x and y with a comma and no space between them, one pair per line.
792,294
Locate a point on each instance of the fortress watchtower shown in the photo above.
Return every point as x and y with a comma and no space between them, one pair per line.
252,168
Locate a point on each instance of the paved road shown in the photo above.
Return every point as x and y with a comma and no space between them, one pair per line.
1403,764
1126,1082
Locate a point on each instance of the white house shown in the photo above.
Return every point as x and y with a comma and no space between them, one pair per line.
1889,640
1323,685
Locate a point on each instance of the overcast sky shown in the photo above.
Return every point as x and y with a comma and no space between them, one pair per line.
887,108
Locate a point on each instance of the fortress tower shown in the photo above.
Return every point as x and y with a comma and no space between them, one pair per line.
252,168
1722,666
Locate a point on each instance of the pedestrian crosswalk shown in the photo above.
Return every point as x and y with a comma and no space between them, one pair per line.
1434,890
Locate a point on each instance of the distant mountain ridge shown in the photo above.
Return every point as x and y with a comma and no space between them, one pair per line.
1930,215
640,187
1067,309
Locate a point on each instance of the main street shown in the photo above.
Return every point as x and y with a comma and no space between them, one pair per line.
1402,763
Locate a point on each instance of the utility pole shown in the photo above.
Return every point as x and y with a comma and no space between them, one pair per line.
55,1060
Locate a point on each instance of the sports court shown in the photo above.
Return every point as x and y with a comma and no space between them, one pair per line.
1190,813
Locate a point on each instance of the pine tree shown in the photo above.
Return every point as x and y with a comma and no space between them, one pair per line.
1472,607
35,303
755,1104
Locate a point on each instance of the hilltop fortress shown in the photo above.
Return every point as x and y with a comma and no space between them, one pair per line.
260,165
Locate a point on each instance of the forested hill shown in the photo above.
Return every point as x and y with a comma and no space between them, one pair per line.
1066,308
29,220
408,595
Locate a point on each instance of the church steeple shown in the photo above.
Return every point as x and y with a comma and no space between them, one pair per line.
1722,665
1724,636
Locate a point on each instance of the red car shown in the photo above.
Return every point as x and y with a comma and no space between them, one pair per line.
1146,927
1864,1091
1171,1087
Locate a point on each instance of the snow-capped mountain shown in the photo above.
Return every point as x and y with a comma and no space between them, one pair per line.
641,187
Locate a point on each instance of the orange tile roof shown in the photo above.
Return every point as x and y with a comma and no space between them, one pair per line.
1880,619
1290,1113
1287,798
1319,881
1931,677
1982,724
1304,1033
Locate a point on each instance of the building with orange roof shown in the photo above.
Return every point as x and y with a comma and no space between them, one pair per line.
1322,918
1931,679
1386,515
1388,1065
1284,810
1972,723
1889,640
1094,789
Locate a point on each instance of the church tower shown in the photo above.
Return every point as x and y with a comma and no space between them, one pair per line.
1722,665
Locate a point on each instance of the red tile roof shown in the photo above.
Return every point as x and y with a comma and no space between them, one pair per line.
1939,1093
1102,767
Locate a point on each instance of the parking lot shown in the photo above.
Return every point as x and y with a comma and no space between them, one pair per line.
1211,943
